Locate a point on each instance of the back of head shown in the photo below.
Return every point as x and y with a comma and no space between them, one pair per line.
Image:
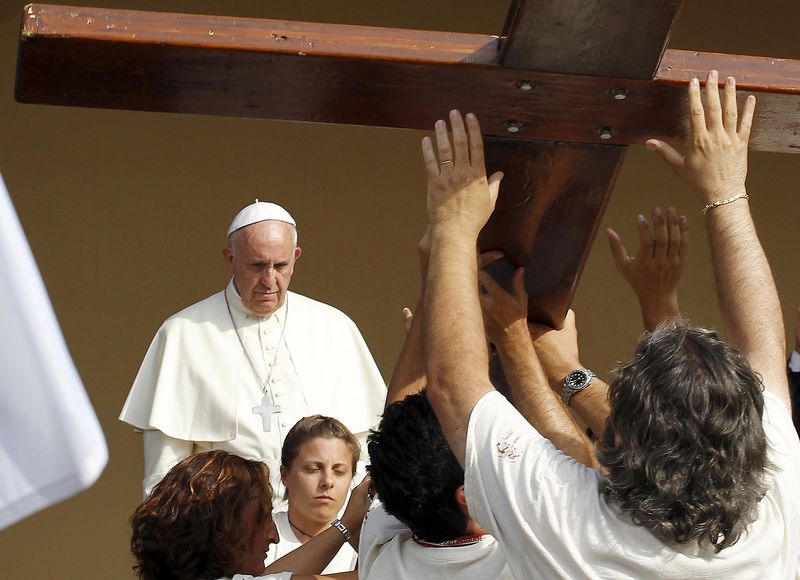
190,526
414,471
684,447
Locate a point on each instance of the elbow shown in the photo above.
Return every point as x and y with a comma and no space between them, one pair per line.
438,393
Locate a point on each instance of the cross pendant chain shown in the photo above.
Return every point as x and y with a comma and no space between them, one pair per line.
267,407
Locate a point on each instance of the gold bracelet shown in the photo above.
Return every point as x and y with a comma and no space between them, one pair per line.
724,202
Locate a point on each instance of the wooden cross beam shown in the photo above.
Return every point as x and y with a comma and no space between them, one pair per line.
559,95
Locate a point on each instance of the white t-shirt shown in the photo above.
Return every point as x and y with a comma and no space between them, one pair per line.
388,550
344,560
280,576
545,510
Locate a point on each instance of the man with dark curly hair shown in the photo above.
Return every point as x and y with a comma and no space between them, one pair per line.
422,529
699,459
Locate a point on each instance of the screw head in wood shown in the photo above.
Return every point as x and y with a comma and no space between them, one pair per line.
513,126
619,93
606,133
525,85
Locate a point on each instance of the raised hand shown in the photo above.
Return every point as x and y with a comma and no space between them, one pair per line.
655,270
357,507
501,310
715,164
459,194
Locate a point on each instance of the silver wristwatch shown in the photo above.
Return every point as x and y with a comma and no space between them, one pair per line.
575,382
339,525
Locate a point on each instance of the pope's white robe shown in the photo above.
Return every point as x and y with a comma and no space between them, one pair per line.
197,385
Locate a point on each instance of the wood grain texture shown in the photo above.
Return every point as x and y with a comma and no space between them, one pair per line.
367,76
550,205
571,127
555,193
622,38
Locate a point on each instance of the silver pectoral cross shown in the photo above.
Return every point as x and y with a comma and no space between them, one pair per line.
266,409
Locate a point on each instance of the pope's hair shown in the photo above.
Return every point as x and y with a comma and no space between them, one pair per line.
684,447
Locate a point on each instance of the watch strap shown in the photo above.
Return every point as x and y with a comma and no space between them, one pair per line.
339,525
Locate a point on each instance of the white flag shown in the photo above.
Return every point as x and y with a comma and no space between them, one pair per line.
51,444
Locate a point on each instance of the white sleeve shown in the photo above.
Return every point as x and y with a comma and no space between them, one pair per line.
378,529
780,431
535,500
161,453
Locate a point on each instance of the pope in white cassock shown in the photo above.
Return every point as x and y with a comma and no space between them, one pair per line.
237,370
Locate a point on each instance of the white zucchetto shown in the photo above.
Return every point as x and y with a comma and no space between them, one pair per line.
260,211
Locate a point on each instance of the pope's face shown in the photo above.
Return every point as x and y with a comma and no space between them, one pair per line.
261,260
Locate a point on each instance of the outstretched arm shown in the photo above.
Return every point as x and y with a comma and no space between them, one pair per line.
715,166
654,272
313,556
558,353
460,200
505,317
409,377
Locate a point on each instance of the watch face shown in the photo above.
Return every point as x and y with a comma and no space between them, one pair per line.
576,379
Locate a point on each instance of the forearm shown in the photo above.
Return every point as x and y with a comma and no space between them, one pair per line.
591,405
313,556
408,377
457,358
534,399
747,295
654,312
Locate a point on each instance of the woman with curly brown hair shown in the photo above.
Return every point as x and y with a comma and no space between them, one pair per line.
211,517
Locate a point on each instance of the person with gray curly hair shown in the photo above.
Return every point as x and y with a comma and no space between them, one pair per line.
699,460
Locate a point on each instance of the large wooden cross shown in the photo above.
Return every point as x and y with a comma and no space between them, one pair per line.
560,94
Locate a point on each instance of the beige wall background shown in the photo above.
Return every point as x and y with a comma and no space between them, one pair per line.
126,213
